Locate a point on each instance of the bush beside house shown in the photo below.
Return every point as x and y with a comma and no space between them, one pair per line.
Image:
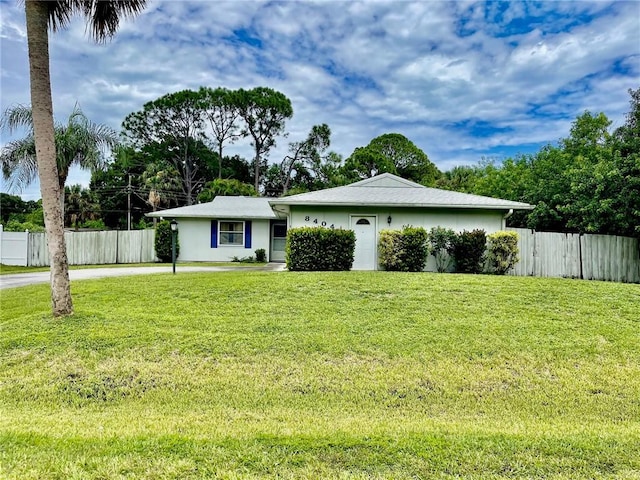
441,245
469,251
163,242
403,250
502,251
407,250
319,249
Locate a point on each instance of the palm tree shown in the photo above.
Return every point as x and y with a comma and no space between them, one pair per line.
103,19
163,182
79,142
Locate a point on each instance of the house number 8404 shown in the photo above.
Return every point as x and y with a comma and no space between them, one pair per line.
315,220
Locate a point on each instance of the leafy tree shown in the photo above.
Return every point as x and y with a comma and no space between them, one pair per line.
264,112
392,153
221,109
103,19
367,163
626,139
115,196
588,182
173,122
237,168
461,178
605,179
222,187
295,168
410,162
14,206
327,172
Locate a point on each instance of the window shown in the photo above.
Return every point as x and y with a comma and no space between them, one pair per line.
363,221
232,233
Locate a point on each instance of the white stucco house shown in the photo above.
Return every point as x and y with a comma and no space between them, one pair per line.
231,227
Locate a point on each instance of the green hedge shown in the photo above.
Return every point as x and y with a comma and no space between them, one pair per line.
163,242
403,251
503,251
469,251
319,249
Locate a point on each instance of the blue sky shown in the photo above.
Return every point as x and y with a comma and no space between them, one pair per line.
462,80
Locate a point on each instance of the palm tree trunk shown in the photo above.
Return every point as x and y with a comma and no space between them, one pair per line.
42,108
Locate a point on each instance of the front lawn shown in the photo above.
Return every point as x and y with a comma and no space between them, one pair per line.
322,375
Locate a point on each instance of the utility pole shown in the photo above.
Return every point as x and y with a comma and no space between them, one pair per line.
129,204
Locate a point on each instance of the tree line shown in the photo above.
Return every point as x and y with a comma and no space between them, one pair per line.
589,182
172,154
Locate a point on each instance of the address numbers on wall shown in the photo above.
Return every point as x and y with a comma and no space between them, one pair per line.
315,221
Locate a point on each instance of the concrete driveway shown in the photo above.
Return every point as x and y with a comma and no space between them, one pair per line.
23,279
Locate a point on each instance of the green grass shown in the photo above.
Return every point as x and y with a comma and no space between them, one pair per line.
322,375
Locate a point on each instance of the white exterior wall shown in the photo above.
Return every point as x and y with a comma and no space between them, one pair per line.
194,235
490,221
340,217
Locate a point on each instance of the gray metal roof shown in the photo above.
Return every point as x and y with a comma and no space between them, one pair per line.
222,207
392,191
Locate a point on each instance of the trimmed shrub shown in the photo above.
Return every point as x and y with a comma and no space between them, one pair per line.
163,242
414,252
469,251
503,251
441,245
403,251
261,255
319,249
389,249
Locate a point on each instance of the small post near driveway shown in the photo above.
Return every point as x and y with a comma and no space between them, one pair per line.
174,234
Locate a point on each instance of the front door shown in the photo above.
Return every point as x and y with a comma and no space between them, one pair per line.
278,241
364,257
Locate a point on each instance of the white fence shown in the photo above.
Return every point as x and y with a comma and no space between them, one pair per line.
592,257
542,254
83,248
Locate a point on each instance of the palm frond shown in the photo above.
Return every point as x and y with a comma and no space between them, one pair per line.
103,17
15,117
18,162
60,13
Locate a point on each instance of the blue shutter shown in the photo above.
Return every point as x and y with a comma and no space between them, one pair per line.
247,234
214,234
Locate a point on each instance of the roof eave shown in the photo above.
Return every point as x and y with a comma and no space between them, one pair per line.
403,205
186,215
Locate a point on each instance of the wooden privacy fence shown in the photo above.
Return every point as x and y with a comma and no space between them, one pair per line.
91,248
572,255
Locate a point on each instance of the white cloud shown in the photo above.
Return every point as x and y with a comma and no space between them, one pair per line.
429,70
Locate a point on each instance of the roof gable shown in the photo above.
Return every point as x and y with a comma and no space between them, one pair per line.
389,190
386,180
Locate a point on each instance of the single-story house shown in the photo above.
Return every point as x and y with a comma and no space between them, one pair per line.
231,227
